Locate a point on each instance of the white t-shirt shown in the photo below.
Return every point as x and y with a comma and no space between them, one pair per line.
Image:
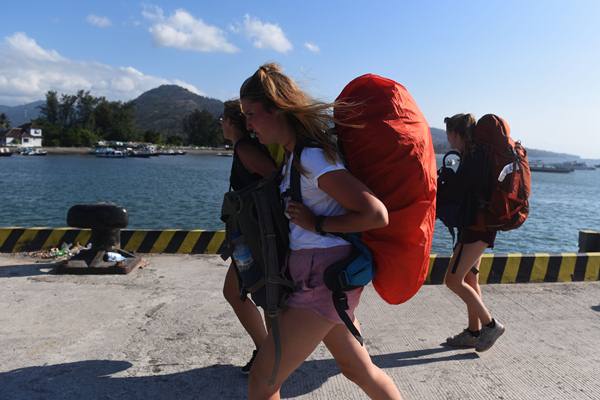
320,203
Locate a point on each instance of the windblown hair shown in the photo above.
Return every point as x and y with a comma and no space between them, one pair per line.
310,119
233,112
463,125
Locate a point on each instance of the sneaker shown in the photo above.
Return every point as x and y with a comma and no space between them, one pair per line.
465,339
246,368
488,336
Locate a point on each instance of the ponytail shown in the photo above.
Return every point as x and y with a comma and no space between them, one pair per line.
463,125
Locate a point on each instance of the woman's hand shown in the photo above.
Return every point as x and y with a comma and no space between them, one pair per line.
301,215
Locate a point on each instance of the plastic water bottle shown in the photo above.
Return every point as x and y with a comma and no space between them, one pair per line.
242,255
113,257
250,273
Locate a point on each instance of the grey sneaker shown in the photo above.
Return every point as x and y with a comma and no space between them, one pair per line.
488,336
465,339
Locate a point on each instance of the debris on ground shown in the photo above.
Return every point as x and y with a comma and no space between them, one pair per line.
66,251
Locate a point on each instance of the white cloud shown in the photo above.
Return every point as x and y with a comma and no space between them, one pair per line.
182,31
312,47
99,21
266,35
153,13
28,71
24,45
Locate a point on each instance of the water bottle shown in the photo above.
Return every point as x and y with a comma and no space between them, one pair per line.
113,257
244,262
241,255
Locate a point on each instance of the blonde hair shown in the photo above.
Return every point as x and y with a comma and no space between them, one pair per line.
310,119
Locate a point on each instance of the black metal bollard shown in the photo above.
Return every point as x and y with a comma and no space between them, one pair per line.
589,241
105,221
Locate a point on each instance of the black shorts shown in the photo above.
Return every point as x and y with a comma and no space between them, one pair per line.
466,236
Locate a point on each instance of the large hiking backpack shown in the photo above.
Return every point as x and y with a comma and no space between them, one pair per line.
506,206
387,144
256,212
253,217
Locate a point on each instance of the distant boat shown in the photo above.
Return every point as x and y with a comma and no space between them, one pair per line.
225,154
556,168
5,152
34,152
171,152
578,165
111,154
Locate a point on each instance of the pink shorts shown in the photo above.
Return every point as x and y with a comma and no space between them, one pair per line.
306,268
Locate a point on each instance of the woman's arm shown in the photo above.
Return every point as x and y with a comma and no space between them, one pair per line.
254,160
365,211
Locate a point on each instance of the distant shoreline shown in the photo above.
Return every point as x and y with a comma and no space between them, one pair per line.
86,150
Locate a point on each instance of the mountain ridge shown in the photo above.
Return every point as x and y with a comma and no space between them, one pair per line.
162,109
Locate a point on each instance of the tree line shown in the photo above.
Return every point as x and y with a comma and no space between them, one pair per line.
83,120
4,121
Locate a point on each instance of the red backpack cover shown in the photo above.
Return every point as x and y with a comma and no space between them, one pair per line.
392,153
508,204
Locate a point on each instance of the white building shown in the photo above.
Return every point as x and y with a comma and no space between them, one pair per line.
19,137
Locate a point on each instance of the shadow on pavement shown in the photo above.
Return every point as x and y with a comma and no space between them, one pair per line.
312,374
15,271
91,379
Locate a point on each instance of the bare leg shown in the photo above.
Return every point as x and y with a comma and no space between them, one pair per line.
471,254
246,311
356,365
301,331
473,280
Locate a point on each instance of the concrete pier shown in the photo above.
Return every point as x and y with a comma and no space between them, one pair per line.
165,332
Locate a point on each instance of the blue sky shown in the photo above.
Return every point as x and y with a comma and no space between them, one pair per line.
536,63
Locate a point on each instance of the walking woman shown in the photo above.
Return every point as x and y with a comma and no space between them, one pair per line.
463,271
278,111
251,162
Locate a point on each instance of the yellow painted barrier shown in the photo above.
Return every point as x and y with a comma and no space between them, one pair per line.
494,268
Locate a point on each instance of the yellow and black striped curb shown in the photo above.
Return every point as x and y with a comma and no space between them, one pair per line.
170,241
494,268
521,268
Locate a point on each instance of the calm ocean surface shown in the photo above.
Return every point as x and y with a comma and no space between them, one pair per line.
186,191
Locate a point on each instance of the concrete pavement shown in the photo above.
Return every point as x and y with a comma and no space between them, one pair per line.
165,332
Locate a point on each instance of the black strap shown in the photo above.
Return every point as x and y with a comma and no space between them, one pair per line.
455,266
340,301
295,189
271,260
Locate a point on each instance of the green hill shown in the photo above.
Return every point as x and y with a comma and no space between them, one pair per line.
163,109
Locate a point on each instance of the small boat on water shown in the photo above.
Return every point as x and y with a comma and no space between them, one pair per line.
111,154
33,152
556,168
578,165
171,152
5,152
225,154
